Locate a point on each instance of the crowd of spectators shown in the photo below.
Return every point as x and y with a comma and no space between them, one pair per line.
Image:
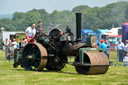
122,50
30,32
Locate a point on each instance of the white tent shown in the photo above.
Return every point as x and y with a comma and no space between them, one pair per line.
115,31
6,34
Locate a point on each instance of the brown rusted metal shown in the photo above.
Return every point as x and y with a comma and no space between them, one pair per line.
93,41
99,62
43,56
72,50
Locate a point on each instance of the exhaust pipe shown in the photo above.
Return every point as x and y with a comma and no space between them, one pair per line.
78,26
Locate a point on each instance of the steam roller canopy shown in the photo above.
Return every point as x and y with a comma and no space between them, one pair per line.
34,57
92,62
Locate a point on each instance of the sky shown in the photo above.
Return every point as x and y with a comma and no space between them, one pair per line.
11,6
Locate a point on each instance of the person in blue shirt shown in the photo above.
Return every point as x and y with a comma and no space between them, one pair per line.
108,47
103,45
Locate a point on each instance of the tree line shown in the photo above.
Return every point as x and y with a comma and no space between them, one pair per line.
92,18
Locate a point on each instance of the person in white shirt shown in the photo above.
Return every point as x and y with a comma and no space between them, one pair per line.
14,44
6,43
24,42
30,33
125,60
120,48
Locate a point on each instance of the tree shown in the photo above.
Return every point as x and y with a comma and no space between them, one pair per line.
8,24
92,18
80,9
18,19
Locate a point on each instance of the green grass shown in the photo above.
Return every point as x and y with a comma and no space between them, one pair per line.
116,75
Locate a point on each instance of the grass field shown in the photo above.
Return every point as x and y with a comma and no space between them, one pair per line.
116,75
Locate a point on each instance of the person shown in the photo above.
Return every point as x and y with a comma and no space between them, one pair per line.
98,43
126,47
125,60
6,44
14,44
39,27
30,33
69,34
10,42
120,48
9,45
24,42
108,48
103,45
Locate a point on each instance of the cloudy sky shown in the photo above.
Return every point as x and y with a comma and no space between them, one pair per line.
11,6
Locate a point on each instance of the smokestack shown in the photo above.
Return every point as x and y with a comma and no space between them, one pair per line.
78,26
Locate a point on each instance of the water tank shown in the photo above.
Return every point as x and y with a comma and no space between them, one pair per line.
124,32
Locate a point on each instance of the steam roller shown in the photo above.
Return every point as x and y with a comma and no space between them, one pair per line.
51,51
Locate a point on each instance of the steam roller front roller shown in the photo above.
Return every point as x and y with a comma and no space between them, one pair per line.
34,57
92,62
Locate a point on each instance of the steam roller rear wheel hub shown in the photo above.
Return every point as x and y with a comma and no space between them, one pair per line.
34,57
55,63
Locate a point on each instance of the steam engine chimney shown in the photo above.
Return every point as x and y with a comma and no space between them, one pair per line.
78,26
